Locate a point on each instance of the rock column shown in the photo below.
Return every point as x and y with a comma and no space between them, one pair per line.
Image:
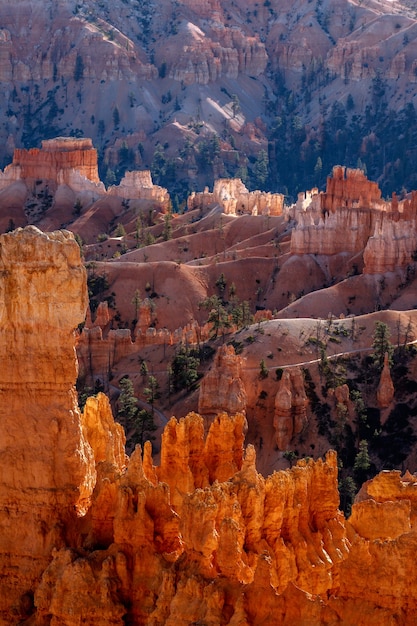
46,467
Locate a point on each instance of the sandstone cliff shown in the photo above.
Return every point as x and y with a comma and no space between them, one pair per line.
56,159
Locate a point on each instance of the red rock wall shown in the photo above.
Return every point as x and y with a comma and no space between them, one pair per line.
55,156
349,187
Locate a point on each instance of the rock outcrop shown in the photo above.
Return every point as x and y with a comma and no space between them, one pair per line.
386,389
350,217
47,466
90,536
139,185
60,180
349,188
391,245
100,347
290,415
222,388
235,199
56,159
202,59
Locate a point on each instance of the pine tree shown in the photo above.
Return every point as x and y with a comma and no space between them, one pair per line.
144,425
362,462
151,392
221,283
263,370
167,232
347,490
260,169
143,370
120,230
184,369
116,117
235,105
382,345
79,68
128,408
218,316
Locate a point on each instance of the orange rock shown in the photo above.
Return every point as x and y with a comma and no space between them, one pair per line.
89,536
385,391
102,314
47,465
105,436
222,388
347,188
381,520
290,407
56,159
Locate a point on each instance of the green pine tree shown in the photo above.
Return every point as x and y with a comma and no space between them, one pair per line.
382,345
127,402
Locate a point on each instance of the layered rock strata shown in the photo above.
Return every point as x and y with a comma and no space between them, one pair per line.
138,184
350,217
100,347
349,188
68,162
202,59
235,199
55,160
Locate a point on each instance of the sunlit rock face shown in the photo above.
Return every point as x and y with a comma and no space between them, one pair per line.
90,536
47,468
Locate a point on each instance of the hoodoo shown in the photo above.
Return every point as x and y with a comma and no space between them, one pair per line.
90,536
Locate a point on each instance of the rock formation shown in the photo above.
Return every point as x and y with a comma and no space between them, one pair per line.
62,174
138,184
386,390
89,536
349,188
56,159
99,347
290,414
48,472
346,230
232,54
235,199
351,217
222,388
391,245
